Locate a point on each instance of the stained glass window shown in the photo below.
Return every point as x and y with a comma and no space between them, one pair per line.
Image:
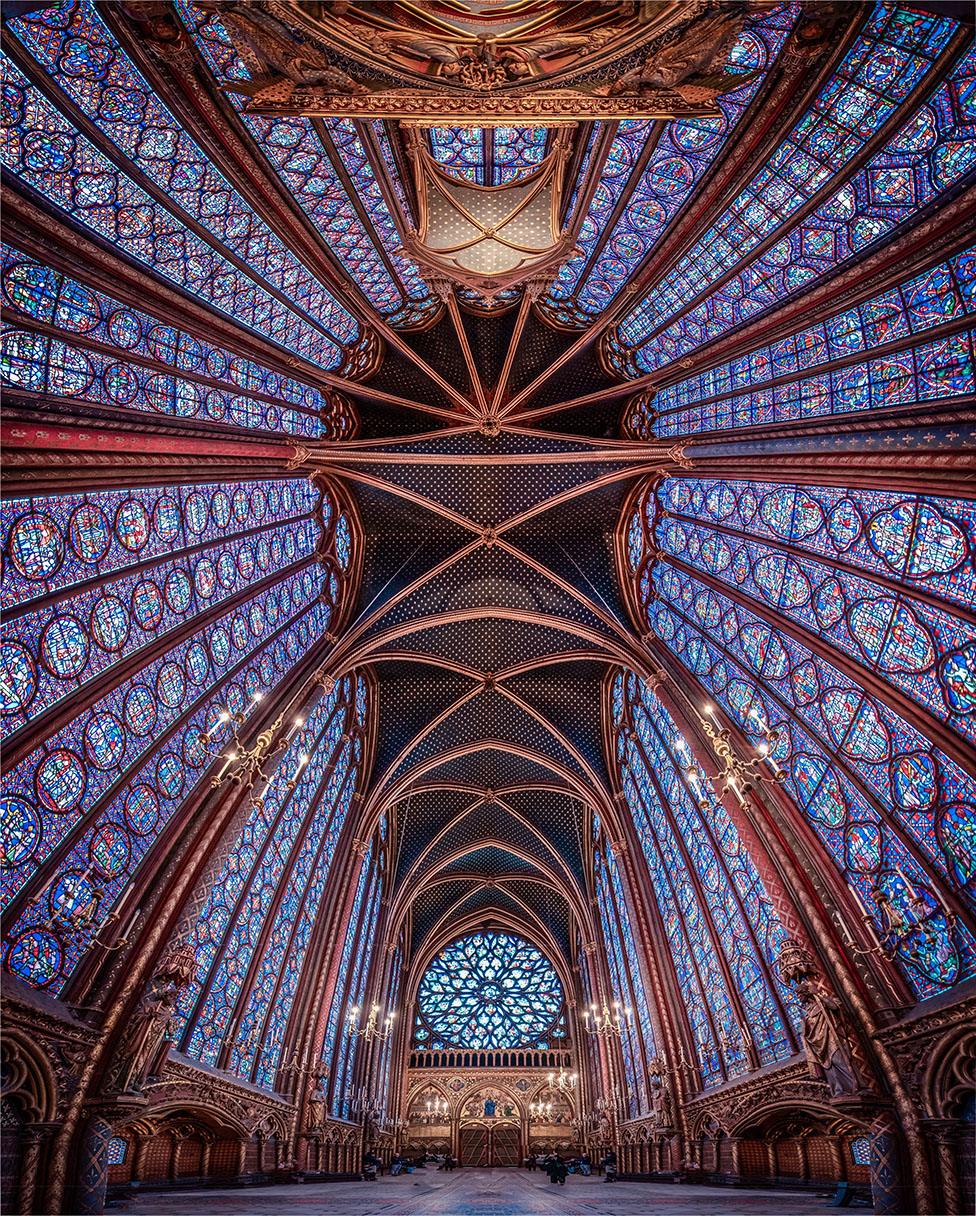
658,166
637,1037
890,808
200,597
114,206
303,154
103,352
933,149
717,915
488,991
773,383
488,156
258,916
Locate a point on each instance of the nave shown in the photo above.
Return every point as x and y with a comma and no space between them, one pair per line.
479,1192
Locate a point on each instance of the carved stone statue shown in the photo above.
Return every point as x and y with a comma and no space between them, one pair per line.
145,1043
662,1105
825,1036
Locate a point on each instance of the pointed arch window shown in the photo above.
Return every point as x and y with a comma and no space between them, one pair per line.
626,980
890,807
716,914
211,594
924,159
651,171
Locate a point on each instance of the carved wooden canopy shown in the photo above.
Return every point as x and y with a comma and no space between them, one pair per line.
457,61
489,238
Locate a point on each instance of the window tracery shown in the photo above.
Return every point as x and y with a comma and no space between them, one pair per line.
488,991
298,149
778,389
140,575
717,916
895,53
71,340
890,807
488,156
685,149
253,931
626,981
45,151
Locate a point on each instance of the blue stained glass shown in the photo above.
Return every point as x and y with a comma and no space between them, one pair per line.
882,803
77,50
628,984
81,181
488,156
270,878
849,221
683,152
489,991
298,155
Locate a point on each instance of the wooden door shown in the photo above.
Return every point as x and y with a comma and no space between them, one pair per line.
474,1145
505,1145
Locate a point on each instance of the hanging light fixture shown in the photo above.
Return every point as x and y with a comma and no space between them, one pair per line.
608,1021
372,1029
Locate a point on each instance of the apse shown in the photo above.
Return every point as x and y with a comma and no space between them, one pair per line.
488,654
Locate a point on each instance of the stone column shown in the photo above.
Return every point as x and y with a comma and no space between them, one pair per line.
93,1168
943,1135
32,1141
887,1186
241,1156
835,1147
736,1158
205,1159
804,1156
140,1146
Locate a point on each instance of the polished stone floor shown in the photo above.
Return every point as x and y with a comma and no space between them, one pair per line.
473,1192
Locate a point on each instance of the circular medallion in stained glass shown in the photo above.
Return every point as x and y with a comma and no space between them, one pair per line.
121,383
109,849
60,780
220,646
18,677
178,590
90,533
220,508
142,809
255,619
166,518
36,547
169,775
242,504
266,671
197,512
36,957
197,664
110,623
226,571
239,628
64,646
104,739
194,751
245,562
259,502
147,604
20,830
490,991
140,710
171,685
132,525
205,578
124,330
263,553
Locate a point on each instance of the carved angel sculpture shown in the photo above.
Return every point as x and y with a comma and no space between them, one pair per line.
278,64
695,59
